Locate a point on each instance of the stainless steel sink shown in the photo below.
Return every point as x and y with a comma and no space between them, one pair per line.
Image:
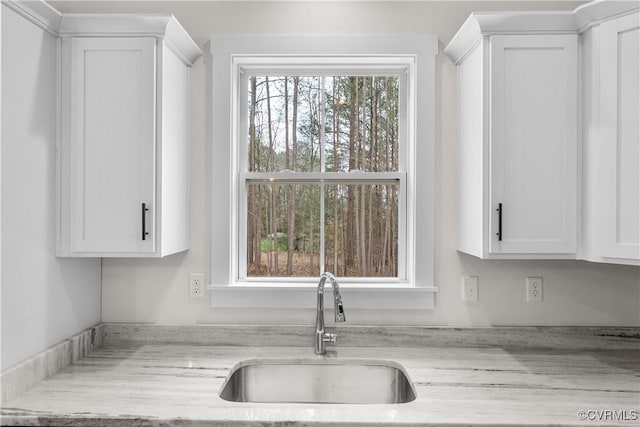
318,381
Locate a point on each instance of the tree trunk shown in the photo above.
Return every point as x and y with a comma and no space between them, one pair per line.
336,163
273,256
350,252
290,194
253,237
373,138
362,229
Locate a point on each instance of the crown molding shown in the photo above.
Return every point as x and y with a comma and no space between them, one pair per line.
596,12
166,27
37,12
482,24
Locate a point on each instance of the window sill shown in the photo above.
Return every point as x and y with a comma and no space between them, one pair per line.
304,296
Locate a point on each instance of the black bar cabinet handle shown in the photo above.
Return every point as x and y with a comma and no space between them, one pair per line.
499,233
144,221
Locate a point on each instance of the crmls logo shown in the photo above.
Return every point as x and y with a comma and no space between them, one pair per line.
609,415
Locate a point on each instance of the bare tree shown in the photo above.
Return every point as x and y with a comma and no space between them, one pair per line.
273,256
291,165
253,217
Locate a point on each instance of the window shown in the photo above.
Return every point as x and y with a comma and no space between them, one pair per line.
320,140
322,168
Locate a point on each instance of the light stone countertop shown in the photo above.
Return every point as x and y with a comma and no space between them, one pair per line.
149,383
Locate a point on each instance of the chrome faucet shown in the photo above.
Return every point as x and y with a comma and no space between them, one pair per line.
321,337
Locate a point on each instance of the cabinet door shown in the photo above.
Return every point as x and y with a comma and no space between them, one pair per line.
112,144
620,136
533,143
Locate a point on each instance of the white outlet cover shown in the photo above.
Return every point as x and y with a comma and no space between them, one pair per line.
534,289
470,288
196,285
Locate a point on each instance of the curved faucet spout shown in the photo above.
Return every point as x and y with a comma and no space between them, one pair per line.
320,336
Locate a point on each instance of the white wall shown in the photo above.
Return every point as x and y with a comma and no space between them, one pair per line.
44,299
575,292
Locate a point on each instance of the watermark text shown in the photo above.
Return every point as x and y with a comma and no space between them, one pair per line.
609,415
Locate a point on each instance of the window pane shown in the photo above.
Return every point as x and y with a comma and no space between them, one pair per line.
301,123
283,228
361,124
361,230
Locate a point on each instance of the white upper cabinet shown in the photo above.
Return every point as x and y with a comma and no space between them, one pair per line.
532,139
620,136
611,133
112,145
548,148
517,143
124,147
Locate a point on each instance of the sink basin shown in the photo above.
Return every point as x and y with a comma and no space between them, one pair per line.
318,381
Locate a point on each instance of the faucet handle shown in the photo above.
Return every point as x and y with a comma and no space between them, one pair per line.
330,338
339,312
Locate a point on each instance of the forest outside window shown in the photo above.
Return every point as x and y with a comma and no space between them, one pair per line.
322,166
322,160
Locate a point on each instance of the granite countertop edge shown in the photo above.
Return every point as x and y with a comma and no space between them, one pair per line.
569,368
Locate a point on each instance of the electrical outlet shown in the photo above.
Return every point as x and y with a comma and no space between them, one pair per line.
196,285
534,289
470,288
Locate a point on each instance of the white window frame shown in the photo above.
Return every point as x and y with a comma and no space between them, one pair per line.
397,66
411,56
